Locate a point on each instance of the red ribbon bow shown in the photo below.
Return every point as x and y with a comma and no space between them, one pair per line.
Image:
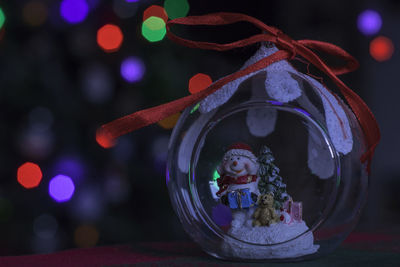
289,48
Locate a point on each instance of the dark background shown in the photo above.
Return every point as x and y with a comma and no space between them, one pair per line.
120,193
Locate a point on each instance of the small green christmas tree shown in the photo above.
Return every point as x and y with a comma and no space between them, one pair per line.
270,181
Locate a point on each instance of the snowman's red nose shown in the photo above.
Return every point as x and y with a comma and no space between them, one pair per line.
235,163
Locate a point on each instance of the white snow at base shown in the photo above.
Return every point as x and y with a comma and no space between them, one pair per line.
243,230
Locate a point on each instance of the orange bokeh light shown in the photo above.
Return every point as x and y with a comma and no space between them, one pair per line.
169,122
199,82
110,37
381,48
29,175
155,11
104,139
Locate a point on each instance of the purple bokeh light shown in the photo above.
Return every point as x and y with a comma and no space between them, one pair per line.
70,166
131,1
221,215
132,69
369,22
74,11
61,188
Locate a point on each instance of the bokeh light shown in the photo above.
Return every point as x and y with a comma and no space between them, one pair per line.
36,143
6,210
153,29
381,48
46,245
116,188
124,150
176,8
104,139
74,11
221,215
41,118
2,18
110,37
71,166
369,22
45,226
29,175
169,122
159,152
88,203
132,69
199,82
155,11
61,188
34,13
124,9
97,83
86,236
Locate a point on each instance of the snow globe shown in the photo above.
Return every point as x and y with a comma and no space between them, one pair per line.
268,167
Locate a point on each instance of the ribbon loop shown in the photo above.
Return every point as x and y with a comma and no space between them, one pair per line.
286,43
289,49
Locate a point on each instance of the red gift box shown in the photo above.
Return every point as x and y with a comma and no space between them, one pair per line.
294,209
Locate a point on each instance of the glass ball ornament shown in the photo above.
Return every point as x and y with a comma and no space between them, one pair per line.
268,167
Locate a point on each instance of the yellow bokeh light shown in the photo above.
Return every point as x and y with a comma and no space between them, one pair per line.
86,236
169,122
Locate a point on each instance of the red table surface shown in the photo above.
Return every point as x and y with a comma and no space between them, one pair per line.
359,248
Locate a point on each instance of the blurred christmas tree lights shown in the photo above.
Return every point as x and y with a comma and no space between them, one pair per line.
132,69
381,48
199,82
155,11
169,122
109,38
34,13
61,188
74,11
369,22
124,9
176,8
153,29
2,18
29,175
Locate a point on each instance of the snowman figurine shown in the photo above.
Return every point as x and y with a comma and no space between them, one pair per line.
238,182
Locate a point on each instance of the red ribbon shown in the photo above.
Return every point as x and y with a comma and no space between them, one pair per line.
289,48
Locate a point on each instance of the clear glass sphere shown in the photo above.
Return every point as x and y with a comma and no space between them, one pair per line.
316,142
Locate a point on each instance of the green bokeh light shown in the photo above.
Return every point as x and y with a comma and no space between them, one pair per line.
2,18
176,8
153,29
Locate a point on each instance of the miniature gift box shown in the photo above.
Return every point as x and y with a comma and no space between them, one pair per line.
294,209
240,199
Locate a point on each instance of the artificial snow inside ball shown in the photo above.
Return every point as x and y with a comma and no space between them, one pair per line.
281,154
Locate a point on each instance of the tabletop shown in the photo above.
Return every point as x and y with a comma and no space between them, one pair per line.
359,249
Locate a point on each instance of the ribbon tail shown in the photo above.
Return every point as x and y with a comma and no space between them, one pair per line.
143,118
364,115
